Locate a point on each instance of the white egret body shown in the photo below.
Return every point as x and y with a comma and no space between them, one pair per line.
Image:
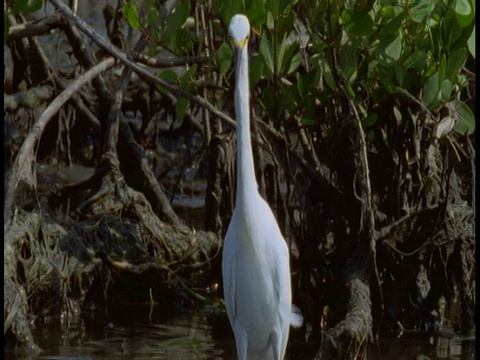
256,269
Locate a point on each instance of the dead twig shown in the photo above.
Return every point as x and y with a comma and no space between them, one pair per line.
168,62
82,25
121,56
36,28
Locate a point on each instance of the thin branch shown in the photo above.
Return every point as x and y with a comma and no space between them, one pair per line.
82,25
36,28
168,62
24,165
115,52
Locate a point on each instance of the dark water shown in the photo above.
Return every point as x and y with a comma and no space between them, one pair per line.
141,332
419,346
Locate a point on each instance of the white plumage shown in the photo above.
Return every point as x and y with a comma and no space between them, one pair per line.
256,269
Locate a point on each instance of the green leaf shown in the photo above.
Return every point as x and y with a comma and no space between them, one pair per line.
394,21
421,9
368,87
272,6
430,90
387,10
318,44
399,73
389,50
309,122
255,13
466,120
386,80
295,62
471,43
285,24
226,9
311,110
357,23
6,27
34,5
441,70
348,63
268,101
176,19
256,69
464,21
464,11
370,120
19,6
370,135
224,58
446,90
270,21
461,7
280,56
289,100
459,40
182,41
169,76
417,60
349,90
153,16
455,62
181,108
266,49
286,5
131,14
186,79
435,42
27,6
394,49
326,71
290,58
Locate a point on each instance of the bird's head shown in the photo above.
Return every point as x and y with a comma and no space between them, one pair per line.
239,30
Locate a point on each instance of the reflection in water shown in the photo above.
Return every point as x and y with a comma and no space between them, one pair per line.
136,333
422,346
141,332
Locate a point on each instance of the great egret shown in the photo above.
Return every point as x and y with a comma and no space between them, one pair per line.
255,267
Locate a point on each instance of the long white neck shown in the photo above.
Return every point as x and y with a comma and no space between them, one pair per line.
246,182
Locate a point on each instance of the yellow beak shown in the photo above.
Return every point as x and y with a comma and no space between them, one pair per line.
240,44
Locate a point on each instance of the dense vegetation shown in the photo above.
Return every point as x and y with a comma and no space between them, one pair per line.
363,117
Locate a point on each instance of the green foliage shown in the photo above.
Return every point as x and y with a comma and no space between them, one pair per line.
174,35
224,58
465,123
131,14
27,6
169,76
471,43
409,51
376,50
6,27
17,7
226,9
187,83
256,69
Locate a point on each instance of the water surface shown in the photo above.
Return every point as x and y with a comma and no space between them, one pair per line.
144,332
